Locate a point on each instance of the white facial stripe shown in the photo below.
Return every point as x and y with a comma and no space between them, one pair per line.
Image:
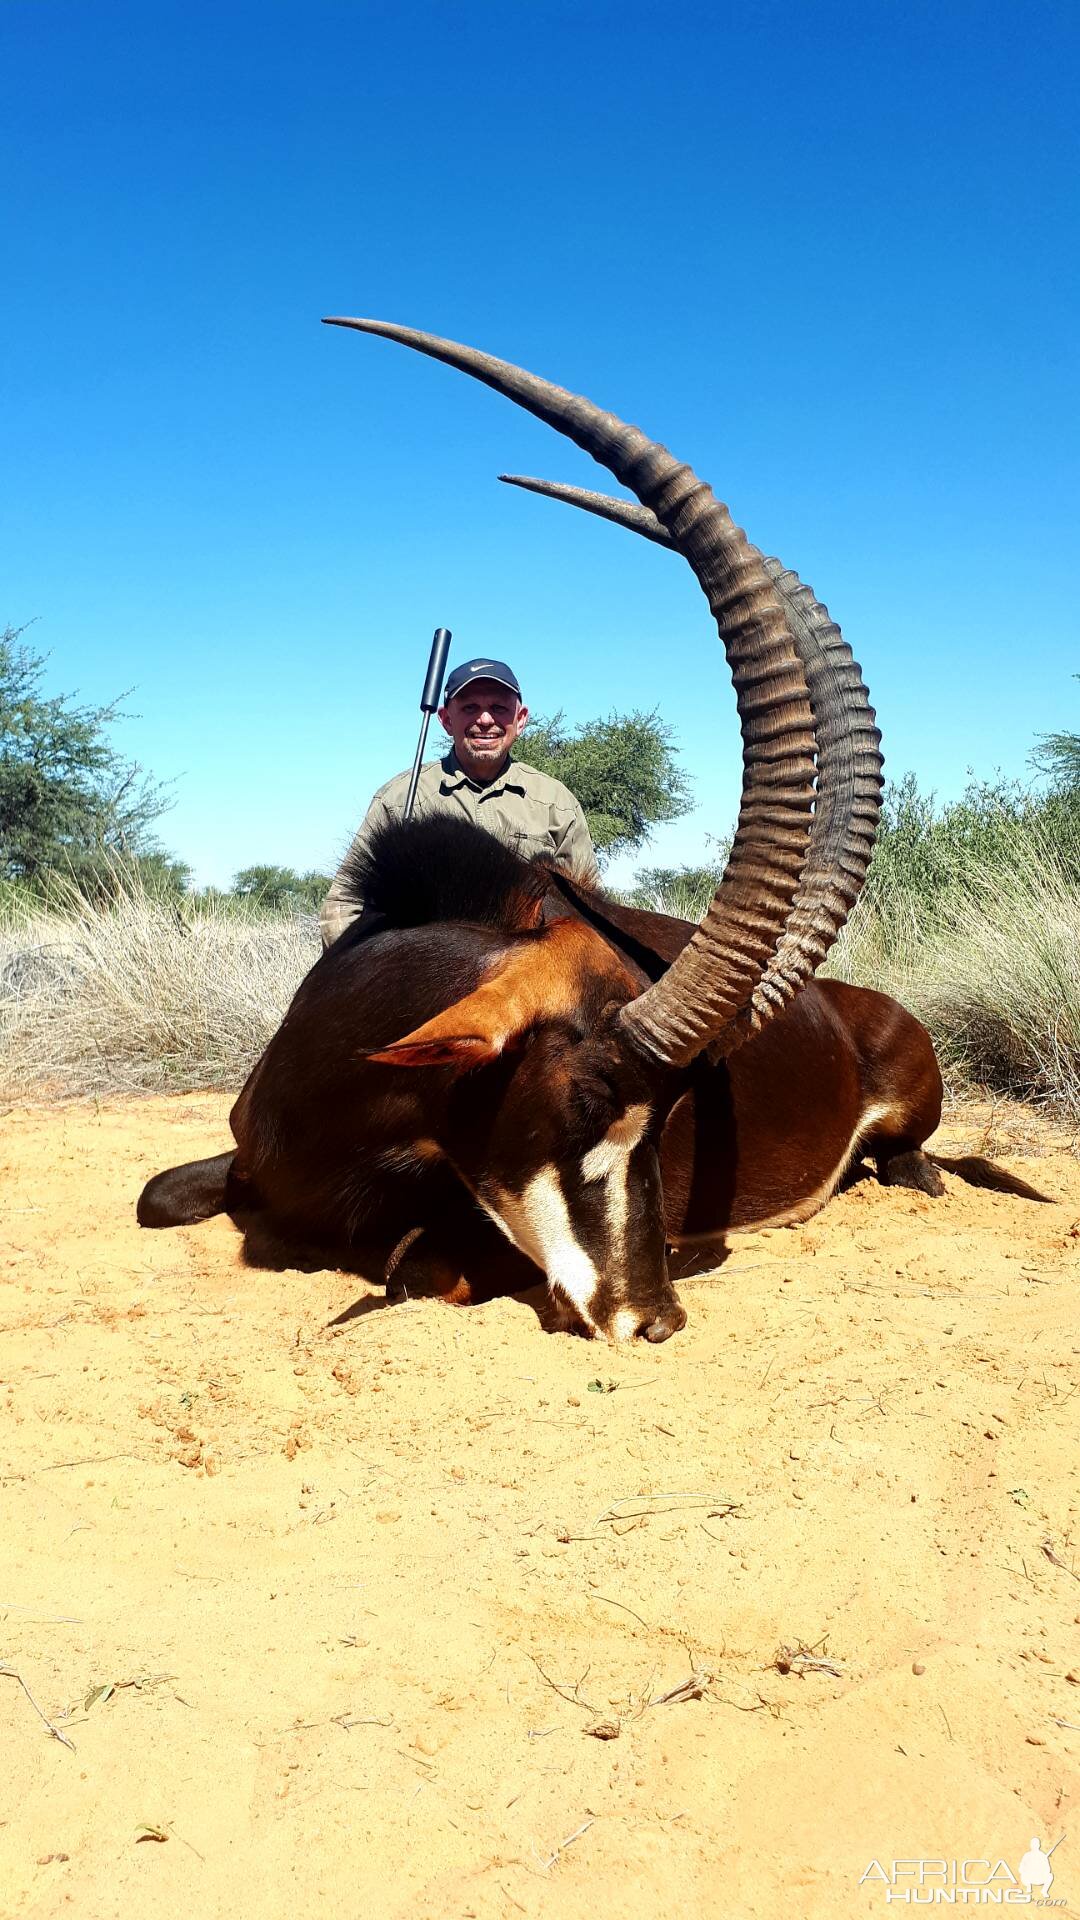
537,1221
609,1161
617,1197
617,1144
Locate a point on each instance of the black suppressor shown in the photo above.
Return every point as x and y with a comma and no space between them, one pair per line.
429,701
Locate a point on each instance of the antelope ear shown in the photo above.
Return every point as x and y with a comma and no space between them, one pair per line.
469,1034
428,1048
539,979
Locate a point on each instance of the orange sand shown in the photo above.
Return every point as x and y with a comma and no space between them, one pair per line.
364,1595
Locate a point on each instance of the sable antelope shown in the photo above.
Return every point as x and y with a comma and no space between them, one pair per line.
603,1082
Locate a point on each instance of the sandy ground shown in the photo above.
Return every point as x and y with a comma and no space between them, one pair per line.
436,1614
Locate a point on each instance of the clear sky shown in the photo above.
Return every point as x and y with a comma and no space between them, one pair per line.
826,252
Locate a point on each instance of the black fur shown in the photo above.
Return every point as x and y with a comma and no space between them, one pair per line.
417,872
181,1195
986,1173
444,869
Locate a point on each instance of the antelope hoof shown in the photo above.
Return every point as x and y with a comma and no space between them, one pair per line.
911,1170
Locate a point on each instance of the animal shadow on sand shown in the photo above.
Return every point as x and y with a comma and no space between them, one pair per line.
420,1265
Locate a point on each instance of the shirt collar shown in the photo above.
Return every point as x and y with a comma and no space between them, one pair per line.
455,776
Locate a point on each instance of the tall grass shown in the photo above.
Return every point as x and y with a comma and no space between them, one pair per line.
971,918
140,993
993,970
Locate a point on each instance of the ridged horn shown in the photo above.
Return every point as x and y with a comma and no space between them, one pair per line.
714,978
849,759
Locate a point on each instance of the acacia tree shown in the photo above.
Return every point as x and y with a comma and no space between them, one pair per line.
68,800
1058,754
623,771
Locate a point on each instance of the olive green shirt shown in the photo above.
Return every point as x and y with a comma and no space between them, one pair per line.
530,811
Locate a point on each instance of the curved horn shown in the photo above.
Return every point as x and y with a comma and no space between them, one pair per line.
849,759
714,977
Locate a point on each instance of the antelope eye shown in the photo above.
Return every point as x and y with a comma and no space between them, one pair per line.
596,1100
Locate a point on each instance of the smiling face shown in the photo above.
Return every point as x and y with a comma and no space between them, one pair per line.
483,720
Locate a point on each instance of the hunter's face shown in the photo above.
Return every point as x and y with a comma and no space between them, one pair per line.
483,720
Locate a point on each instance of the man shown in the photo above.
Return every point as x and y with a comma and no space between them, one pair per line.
482,712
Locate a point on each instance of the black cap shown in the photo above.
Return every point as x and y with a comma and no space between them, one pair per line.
480,670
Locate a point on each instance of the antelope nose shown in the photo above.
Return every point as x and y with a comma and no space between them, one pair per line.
671,1320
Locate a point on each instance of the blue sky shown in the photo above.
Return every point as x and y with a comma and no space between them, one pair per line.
826,253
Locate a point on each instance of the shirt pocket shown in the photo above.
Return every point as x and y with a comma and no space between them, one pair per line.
528,845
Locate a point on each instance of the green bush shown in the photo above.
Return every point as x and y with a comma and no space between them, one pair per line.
925,849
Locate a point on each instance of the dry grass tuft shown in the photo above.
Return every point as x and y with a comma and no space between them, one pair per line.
992,969
141,995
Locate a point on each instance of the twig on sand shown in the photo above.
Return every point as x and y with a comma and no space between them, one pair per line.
91,1460
802,1659
576,1698
634,1505
187,1843
762,1706
622,1605
693,1688
568,1842
1056,1560
9,1673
